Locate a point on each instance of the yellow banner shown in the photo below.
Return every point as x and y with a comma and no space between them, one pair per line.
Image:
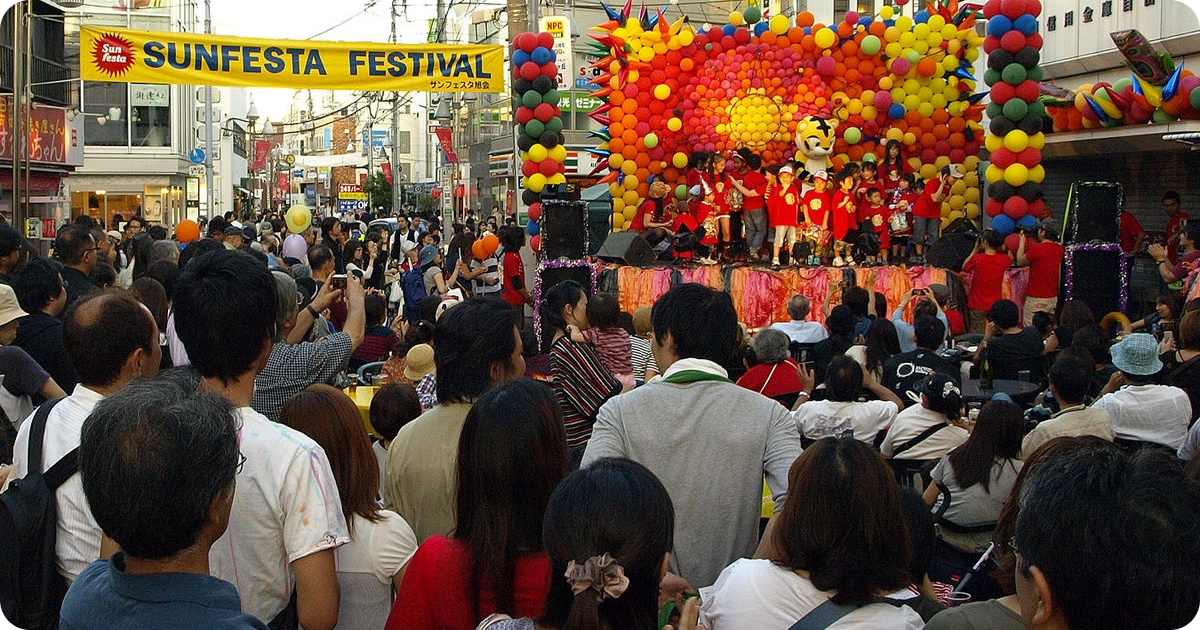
128,56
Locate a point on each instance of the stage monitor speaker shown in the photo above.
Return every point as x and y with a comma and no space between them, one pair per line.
564,229
1095,213
627,248
951,250
1096,280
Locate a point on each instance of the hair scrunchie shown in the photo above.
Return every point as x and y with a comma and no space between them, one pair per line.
599,573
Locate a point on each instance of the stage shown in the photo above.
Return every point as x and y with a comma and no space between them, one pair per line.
760,294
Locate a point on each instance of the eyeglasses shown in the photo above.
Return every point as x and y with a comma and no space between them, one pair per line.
241,463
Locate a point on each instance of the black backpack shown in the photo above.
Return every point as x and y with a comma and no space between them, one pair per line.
31,590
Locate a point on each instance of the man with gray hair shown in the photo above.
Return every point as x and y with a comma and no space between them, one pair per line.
295,364
158,463
799,330
163,250
776,375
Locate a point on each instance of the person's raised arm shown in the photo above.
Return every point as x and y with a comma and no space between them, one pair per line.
880,391
1022,261
356,314
325,296
1159,254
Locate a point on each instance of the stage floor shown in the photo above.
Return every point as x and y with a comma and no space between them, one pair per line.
760,294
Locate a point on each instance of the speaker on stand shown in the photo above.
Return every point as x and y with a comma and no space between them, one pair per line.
627,248
1094,213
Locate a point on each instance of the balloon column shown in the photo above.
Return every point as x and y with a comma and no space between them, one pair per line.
1015,139
672,91
539,122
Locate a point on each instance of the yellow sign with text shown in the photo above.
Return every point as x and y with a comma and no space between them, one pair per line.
129,56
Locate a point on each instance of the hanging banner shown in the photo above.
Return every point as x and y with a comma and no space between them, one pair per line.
129,56
445,136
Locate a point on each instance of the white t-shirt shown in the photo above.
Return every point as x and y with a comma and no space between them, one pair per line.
802,332
912,422
760,594
286,507
1148,413
817,419
365,568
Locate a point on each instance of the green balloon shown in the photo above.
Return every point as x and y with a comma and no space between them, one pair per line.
651,140
551,97
1013,73
681,191
1159,116
1194,98
535,128
853,135
752,14
913,56
531,99
1038,108
555,124
1015,109
1035,73
994,110
991,77
870,45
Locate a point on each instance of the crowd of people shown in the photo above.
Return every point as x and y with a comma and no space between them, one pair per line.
662,468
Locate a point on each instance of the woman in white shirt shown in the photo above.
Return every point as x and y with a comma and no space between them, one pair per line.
835,540
381,542
931,429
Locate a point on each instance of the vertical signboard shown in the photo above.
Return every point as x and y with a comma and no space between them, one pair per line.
559,27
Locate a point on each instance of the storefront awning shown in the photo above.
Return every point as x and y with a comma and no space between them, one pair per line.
37,182
1119,140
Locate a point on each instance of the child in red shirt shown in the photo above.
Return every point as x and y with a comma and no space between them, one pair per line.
874,221
815,205
845,211
900,215
783,199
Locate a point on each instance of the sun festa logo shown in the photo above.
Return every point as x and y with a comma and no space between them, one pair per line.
112,54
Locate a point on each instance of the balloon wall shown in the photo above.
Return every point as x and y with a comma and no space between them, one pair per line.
1015,137
539,122
670,91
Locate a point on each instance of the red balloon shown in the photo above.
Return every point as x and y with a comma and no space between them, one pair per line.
545,40
535,211
741,36
1012,9
551,70
1012,242
1001,93
535,243
990,43
1003,157
1030,157
524,115
1016,207
544,112
527,42
530,70
991,8
548,167
1034,40
1027,91
1033,7
1037,208
1012,41
993,207
530,167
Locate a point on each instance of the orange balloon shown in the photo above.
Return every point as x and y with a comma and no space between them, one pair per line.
479,250
187,231
490,244
926,67
941,132
940,116
616,98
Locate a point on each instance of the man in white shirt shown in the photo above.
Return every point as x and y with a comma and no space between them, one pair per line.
110,338
1070,378
1142,411
841,412
798,330
286,519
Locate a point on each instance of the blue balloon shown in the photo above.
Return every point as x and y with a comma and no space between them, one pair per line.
865,20
728,29
532,228
1172,87
1027,221
921,17
760,28
519,57
1027,24
895,111
541,55
808,30
998,25
1003,224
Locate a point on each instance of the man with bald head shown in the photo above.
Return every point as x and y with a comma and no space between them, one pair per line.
110,338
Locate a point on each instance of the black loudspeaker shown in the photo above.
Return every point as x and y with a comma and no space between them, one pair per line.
951,250
564,229
1095,213
627,248
1096,279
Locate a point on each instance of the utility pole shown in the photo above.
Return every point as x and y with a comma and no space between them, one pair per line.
20,134
397,195
208,132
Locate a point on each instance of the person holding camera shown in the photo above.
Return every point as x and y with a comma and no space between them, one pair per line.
987,263
1038,250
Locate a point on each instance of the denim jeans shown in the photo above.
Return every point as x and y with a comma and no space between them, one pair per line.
756,228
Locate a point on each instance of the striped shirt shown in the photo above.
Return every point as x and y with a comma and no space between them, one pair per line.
641,358
581,385
478,285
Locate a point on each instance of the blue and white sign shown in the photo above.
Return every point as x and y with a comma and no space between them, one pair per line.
352,205
196,155
378,137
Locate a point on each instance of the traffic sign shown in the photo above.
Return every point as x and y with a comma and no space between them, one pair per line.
196,155
196,170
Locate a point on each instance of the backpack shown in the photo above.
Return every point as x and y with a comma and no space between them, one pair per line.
412,283
31,590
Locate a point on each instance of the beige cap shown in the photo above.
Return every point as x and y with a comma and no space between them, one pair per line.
10,309
420,362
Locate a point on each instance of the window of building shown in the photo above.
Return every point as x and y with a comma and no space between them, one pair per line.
404,142
99,130
150,115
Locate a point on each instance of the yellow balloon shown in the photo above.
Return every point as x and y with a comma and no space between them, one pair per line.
910,139
679,160
662,91
1016,174
971,194
993,174
629,167
823,38
959,187
925,109
928,171
618,204
971,162
907,39
630,183
535,182
904,23
895,134
921,32
941,161
885,82
537,153
736,18
1037,174
630,197
779,24
887,12
957,203
972,179
972,210
686,37
616,160
1015,141
993,143
557,178
935,22
630,212
615,190
1038,140
893,49
618,222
